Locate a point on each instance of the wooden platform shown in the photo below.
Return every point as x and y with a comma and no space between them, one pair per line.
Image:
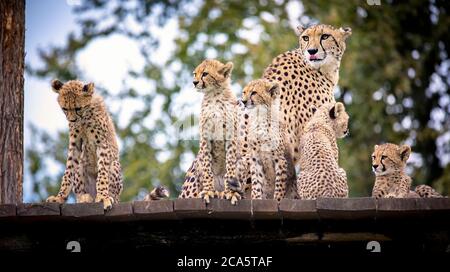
341,224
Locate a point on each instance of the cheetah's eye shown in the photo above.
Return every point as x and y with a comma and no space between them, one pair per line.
383,157
77,109
373,157
305,38
204,74
64,109
325,36
252,93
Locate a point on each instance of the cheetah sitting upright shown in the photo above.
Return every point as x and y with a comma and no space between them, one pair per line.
391,181
307,77
214,169
320,174
92,168
266,160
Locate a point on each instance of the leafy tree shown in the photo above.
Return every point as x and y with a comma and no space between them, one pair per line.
394,78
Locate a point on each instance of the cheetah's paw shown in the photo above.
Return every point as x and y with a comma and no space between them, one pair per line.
85,198
55,199
107,201
207,195
233,196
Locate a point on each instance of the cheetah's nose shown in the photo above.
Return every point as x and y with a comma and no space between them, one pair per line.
312,51
195,82
375,166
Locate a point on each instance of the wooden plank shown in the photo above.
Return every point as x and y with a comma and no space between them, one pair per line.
7,210
298,209
160,210
433,204
223,209
396,207
433,207
39,209
346,208
120,211
82,210
190,208
263,209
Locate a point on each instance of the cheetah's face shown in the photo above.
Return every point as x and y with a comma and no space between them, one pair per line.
388,158
339,119
212,75
74,96
322,44
260,92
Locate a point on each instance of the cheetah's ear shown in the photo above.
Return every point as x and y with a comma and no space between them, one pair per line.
336,110
345,32
300,30
56,85
274,89
88,89
226,69
405,151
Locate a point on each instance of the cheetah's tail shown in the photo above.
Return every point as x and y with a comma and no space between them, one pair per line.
426,191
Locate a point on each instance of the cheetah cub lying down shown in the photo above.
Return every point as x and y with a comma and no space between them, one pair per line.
266,160
391,181
92,168
320,174
214,169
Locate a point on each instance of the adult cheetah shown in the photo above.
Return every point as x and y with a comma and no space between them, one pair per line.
92,167
307,77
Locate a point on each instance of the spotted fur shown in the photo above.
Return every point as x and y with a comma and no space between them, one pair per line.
92,169
266,162
307,77
320,174
214,168
391,181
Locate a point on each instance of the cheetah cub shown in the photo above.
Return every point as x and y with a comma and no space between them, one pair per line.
391,181
320,174
266,160
214,169
92,167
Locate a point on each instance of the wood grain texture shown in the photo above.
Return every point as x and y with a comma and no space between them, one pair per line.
12,42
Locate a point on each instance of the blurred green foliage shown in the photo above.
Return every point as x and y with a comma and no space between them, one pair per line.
394,79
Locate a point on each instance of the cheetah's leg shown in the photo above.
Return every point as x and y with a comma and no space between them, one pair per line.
72,163
102,182
79,188
230,175
191,184
115,181
207,175
243,173
257,173
378,191
280,178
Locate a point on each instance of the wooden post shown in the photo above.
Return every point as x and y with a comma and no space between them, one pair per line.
12,58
